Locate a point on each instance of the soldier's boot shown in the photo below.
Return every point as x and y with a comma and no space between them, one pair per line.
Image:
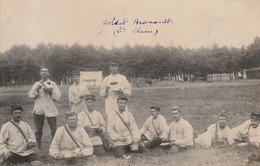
39,143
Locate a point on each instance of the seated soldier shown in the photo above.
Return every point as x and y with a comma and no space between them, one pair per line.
94,124
155,129
249,132
122,129
218,133
180,135
71,141
17,140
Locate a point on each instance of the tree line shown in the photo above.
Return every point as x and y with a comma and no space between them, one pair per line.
20,64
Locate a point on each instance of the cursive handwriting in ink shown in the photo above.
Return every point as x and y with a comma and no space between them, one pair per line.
118,31
137,21
139,30
140,26
115,21
156,32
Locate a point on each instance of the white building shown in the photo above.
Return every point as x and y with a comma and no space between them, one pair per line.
91,78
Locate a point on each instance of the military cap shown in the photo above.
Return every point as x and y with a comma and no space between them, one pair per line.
114,61
222,114
122,97
76,72
255,115
70,114
43,66
16,107
90,96
155,107
175,108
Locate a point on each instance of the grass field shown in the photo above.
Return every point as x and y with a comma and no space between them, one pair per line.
200,103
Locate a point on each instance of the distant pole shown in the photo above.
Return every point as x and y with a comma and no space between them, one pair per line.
3,78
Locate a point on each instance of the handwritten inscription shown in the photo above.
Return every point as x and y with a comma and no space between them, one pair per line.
140,26
166,21
116,21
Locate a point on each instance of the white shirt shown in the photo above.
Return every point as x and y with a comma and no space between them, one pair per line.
206,139
116,128
253,134
76,103
44,104
181,132
63,144
96,119
12,140
151,124
115,82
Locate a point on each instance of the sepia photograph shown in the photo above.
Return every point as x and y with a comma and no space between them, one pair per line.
130,83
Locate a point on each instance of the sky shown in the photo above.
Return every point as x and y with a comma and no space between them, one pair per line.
194,23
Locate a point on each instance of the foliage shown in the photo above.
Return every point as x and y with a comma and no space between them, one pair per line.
21,63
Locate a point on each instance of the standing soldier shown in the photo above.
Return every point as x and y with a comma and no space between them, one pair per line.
114,85
77,94
45,92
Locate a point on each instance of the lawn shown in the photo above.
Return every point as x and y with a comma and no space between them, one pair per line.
200,103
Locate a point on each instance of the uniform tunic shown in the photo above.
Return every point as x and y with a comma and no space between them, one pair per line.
96,119
11,139
253,134
160,125
181,132
115,82
63,144
44,104
76,103
206,139
116,128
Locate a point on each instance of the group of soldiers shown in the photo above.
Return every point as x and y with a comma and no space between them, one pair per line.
86,133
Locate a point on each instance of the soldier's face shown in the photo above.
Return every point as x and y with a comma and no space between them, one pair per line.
114,68
222,121
72,121
44,73
154,112
121,104
176,115
255,122
17,115
90,104
76,78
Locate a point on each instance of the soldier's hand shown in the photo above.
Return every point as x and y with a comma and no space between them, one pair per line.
82,96
77,152
99,130
60,156
31,145
87,128
50,91
123,139
38,88
7,154
135,141
172,142
120,92
45,90
37,95
244,136
107,88
164,139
